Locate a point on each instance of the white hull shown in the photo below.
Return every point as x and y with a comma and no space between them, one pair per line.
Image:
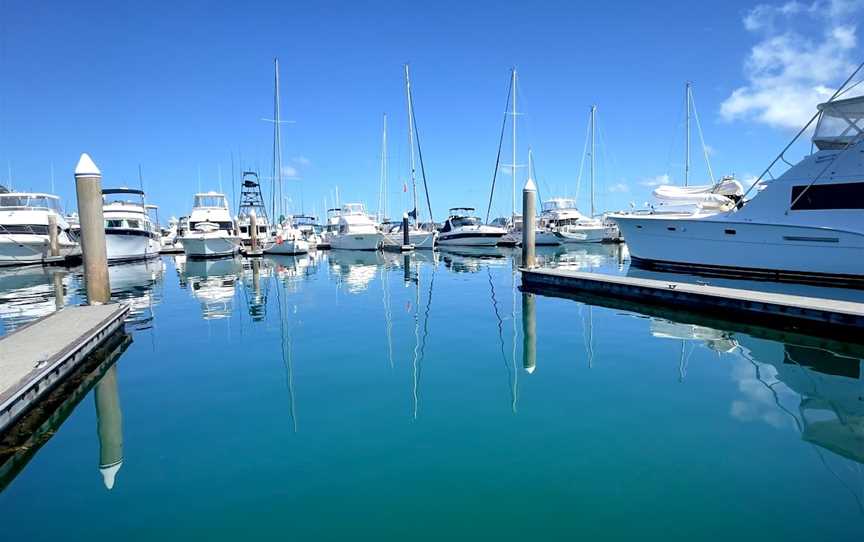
209,246
130,247
288,247
420,239
363,241
546,238
746,247
584,235
29,249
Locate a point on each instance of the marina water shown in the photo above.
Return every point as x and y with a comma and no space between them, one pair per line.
373,395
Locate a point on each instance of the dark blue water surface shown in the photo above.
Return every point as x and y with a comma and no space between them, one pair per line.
386,397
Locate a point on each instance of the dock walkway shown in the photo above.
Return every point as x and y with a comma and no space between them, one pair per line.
37,356
830,316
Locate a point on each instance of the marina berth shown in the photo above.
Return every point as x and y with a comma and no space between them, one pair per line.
356,230
805,225
211,232
130,234
24,221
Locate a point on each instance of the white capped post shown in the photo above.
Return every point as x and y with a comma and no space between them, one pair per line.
529,225
88,187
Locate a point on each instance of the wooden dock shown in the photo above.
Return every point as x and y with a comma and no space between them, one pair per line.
842,319
38,356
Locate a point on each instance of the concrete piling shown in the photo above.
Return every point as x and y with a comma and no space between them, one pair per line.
529,332
59,294
53,236
529,224
88,187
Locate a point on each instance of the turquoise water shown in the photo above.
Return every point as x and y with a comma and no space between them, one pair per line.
373,396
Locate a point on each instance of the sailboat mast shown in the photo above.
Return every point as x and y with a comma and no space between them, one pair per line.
513,125
593,128
277,146
687,134
411,142
382,195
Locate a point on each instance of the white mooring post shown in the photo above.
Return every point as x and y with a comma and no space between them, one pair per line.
253,232
109,426
529,333
529,225
88,187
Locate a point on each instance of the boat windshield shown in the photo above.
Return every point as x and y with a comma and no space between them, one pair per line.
32,201
557,204
353,209
841,123
129,198
462,221
210,200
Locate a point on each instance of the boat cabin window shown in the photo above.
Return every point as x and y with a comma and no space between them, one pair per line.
557,204
841,123
227,226
465,221
136,224
31,201
114,223
206,200
822,197
24,229
353,209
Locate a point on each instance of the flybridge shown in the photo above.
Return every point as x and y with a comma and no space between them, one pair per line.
841,123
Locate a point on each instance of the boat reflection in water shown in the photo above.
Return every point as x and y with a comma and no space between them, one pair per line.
292,271
813,385
138,284
256,286
461,259
607,257
28,293
213,283
354,270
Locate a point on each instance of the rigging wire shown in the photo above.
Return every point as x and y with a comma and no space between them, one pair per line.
498,157
582,163
420,156
701,137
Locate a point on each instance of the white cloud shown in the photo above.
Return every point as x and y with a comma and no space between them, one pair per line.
619,187
301,161
789,73
656,181
290,172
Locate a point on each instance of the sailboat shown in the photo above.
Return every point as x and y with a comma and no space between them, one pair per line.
287,239
720,195
561,217
418,236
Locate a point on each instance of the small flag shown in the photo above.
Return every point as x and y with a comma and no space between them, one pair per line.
404,187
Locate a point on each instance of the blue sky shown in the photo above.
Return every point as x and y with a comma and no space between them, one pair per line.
184,85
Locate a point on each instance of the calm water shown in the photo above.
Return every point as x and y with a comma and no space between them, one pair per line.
368,396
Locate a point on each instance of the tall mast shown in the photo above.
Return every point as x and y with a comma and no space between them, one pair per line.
382,195
687,134
593,128
276,194
513,125
411,142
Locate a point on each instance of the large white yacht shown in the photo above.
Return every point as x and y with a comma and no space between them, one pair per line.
129,233
212,232
357,231
24,228
807,224
561,222
464,229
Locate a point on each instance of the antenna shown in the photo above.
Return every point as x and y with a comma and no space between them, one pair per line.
140,178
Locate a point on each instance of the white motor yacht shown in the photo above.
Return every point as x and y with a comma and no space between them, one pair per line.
24,228
211,232
418,237
357,231
464,229
805,225
129,233
561,222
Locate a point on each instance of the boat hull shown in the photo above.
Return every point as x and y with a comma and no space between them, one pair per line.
362,241
470,239
30,249
288,247
129,247
419,239
546,238
773,251
584,235
206,246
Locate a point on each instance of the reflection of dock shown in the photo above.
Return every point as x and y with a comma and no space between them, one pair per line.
38,356
827,316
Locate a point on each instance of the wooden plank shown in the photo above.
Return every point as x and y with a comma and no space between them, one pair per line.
37,356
